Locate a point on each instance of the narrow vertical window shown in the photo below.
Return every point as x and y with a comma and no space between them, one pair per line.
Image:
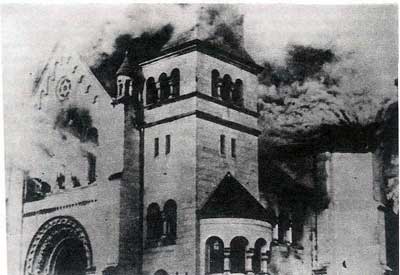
167,144
92,167
233,148
222,144
156,147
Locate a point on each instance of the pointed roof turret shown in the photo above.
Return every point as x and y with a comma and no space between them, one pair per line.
126,68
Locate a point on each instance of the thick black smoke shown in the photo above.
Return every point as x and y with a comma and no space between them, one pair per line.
140,48
303,103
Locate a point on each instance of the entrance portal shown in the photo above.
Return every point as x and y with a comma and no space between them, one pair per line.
60,247
70,259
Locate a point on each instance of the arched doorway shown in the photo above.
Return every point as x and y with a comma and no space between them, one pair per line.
60,247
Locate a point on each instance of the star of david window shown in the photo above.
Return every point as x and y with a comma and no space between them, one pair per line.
63,89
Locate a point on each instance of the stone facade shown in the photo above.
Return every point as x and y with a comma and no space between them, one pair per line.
130,194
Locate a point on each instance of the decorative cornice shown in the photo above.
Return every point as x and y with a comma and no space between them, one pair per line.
205,97
208,49
208,117
52,209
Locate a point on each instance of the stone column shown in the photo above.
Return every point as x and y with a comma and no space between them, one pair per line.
275,233
264,259
289,234
249,261
227,261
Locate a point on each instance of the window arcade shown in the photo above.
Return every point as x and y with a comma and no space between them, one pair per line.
225,89
161,225
167,87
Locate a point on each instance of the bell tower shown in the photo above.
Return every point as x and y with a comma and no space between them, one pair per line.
200,122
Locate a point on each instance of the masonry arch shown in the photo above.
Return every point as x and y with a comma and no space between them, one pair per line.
161,272
214,255
61,246
238,254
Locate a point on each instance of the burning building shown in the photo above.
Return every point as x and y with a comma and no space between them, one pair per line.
160,169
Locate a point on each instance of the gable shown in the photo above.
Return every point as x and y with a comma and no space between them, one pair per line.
231,200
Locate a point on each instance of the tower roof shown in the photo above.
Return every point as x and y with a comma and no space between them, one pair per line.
231,200
126,68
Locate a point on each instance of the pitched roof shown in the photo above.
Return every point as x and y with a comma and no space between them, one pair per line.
231,200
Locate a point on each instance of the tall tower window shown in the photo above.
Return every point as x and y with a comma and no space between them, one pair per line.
164,86
237,93
156,147
222,144
214,255
233,147
170,220
167,144
238,254
154,222
151,91
226,88
214,83
175,81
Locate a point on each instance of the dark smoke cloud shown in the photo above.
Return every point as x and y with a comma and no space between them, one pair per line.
145,46
309,101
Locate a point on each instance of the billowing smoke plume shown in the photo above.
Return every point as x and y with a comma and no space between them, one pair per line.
319,97
147,45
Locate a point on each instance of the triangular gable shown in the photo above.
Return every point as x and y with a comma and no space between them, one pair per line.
231,200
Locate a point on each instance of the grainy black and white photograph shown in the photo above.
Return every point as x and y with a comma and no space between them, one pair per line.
200,139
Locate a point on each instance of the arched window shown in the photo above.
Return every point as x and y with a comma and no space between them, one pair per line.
214,255
154,222
214,83
259,247
161,272
151,91
238,254
164,86
170,220
226,88
237,93
175,82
